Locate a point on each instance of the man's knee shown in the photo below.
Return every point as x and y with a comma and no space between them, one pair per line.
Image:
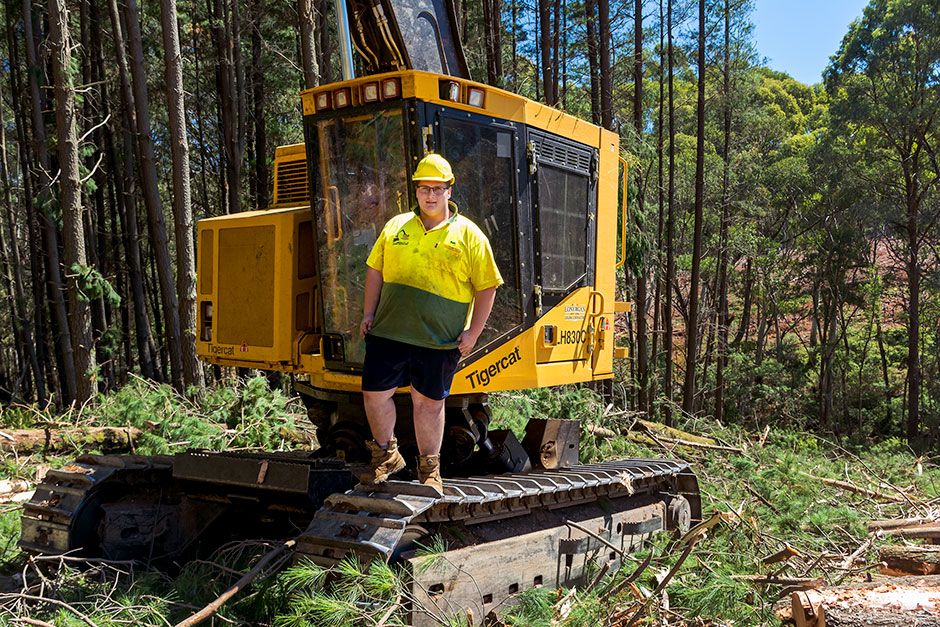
423,402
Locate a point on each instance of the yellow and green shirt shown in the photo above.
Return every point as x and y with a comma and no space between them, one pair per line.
430,278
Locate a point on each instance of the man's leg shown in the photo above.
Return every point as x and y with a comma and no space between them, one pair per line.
380,411
386,460
429,423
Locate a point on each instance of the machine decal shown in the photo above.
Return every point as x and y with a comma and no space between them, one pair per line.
226,351
574,312
572,336
484,376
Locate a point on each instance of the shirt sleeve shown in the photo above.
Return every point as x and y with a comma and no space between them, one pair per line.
484,272
376,258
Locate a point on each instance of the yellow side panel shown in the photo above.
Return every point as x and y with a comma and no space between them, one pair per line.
246,286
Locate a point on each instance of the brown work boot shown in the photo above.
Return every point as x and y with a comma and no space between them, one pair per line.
385,462
429,471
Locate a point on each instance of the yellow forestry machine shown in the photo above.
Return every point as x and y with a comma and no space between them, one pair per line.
282,289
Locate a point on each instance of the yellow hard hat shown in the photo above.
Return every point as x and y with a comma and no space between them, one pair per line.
434,168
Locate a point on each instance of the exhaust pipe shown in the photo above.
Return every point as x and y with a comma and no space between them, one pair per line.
345,40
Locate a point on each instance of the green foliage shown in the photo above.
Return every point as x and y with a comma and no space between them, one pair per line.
92,285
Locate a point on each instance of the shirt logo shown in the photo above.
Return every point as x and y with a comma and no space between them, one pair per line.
401,238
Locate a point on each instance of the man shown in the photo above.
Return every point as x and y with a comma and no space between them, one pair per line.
429,269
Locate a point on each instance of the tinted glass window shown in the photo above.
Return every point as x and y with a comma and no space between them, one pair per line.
563,211
362,183
482,158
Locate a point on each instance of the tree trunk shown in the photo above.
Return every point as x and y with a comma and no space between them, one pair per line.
63,340
691,334
21,317
642,356
607,109
148,175
125,188
723,229
545,45
590,15
35,267
182,197
258,100
308,43
670,230
71,202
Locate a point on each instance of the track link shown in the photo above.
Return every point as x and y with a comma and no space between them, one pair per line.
48,520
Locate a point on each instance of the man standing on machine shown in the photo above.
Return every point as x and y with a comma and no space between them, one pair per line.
430,271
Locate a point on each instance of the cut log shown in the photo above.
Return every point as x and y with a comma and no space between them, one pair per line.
661,431
899,602
910,560
99,438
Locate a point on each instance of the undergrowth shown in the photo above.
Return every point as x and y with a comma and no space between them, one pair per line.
764,484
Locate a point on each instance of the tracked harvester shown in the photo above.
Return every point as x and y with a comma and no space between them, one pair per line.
282,289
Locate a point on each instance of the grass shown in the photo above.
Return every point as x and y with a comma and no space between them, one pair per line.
764,489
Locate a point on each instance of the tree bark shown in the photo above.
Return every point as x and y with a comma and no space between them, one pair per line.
71,202
261,173
722,356
63,340
21,316
670,230
606,82
642,354
125,189
182,196
590,16
148,175
545,45
308,43
691,334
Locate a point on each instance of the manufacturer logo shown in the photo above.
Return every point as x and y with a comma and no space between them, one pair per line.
484,376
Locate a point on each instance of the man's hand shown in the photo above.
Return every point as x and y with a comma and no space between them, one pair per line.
466,341
366,325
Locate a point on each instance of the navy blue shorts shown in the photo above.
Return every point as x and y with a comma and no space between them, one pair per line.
392,364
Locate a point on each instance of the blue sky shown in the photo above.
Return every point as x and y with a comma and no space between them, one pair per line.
799,36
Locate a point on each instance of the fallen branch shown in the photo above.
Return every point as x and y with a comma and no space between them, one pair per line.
213,607
62,604
32,621
760,498
921,531
770,580
851,487
898,523
780,556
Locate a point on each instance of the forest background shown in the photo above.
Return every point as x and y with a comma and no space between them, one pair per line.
783,237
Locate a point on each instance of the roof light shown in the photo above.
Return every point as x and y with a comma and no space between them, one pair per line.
370,92
342,98
391,88
323,101
475,97
450,90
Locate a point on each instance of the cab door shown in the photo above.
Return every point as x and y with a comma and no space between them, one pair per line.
485,154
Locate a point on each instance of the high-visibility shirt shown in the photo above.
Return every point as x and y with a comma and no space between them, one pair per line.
430,278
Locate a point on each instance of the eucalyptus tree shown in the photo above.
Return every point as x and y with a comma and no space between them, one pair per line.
884,85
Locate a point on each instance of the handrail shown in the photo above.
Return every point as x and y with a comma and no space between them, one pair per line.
623,217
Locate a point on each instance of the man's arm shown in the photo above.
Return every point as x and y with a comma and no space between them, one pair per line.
482,306
374,282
